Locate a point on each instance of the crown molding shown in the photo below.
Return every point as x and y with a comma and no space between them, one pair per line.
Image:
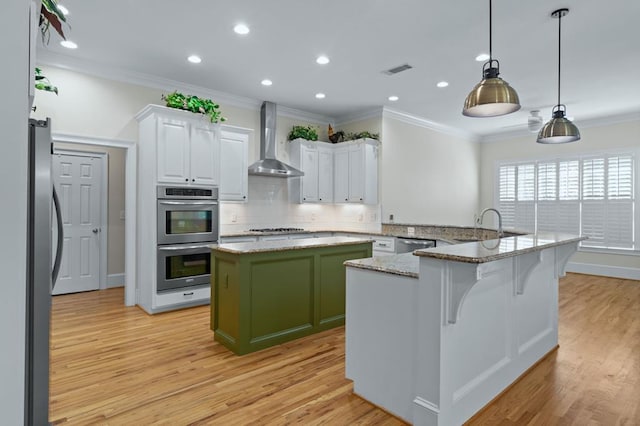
91,140
428,124
359,116
108,72
299,114
625,117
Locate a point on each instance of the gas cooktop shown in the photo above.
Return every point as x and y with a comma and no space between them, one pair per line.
276,229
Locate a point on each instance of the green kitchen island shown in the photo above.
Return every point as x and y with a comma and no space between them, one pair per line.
270,292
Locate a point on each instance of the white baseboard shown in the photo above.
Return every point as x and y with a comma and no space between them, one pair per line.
605,270
115,280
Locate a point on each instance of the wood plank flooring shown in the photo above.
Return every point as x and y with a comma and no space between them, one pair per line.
119,366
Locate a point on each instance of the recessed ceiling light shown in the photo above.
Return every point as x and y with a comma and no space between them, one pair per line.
393,98
194,59
482,57
442,84
266,82
68,44
322,60
320,95
241,29
63,9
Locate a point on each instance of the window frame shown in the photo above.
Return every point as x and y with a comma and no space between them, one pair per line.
580,157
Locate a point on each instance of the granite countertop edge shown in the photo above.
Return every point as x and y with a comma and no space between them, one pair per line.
405,264
284,245
433,252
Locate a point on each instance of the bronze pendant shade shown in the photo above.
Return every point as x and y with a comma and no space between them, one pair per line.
559,129
492,96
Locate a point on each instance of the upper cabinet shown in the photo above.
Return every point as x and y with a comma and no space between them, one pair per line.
335,173
356,172
188,151
234,152
315,159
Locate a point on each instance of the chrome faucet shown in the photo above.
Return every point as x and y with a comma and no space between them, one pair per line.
479,219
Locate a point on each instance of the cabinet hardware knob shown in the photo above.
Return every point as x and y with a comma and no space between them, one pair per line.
304,198
346,199
186,180
244,196
193,180
360,199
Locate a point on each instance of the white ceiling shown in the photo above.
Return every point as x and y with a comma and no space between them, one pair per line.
440,39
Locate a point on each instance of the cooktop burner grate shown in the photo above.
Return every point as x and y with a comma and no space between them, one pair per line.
276,229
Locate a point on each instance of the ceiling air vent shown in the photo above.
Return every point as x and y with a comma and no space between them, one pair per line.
396,70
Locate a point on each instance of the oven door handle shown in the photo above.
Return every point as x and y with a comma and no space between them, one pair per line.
176,248
189,203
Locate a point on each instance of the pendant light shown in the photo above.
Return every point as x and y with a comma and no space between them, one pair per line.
492,96
559,129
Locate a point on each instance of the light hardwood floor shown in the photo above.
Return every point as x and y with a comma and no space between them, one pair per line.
119,366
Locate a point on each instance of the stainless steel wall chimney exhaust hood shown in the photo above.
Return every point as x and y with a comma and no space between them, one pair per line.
269,165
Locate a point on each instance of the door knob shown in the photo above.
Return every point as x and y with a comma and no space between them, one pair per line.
94,230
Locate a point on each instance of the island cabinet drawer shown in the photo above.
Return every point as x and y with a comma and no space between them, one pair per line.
195,295
384,244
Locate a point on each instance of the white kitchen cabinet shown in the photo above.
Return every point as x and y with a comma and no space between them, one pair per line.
187,151
177,148
234,150
315,159
356,172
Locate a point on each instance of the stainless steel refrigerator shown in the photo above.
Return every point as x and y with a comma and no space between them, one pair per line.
42,270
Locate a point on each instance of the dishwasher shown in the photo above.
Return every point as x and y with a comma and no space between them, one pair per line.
408,245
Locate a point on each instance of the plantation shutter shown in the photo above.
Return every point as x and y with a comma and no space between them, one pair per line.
507,195
547,197
568,210
525,195
619,202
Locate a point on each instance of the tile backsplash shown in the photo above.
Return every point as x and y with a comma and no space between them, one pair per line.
269,207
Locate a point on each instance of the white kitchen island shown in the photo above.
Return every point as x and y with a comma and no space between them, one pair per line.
434,336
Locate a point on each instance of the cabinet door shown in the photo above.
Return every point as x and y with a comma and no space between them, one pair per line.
341,175
173,151
205,155
356,173
233,166
325,176
310,178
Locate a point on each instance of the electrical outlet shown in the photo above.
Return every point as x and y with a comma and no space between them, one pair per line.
373,217
411,231
234,218
313,216
360,217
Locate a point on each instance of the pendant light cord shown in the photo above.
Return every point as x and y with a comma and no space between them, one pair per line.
559,47
490,28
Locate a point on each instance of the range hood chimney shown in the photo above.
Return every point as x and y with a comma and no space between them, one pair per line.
269,165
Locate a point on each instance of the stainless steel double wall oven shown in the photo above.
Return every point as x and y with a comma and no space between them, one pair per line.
187,224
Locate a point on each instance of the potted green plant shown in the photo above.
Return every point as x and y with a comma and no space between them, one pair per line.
194,104
304,132
51,16
43,83
351,136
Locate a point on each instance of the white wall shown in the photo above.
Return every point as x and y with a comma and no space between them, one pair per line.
594,139
14,33
427,177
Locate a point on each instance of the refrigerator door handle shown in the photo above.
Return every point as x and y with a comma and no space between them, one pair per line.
58,259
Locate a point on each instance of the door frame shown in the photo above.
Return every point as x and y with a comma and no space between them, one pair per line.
131,172
104,213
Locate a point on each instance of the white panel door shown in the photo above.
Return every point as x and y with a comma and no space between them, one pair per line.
325,175
173,151
205,155
341,175
356,173
310,178
234,148
78,181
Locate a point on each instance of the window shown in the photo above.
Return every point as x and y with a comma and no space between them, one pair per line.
591,195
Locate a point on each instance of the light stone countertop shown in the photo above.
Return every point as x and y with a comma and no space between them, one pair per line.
405,264
282,245
491,250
